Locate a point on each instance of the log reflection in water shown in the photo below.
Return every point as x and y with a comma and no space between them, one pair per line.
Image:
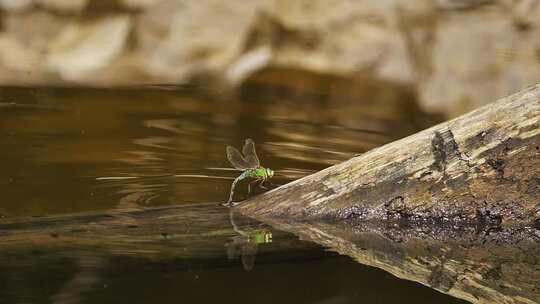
185,231
473,263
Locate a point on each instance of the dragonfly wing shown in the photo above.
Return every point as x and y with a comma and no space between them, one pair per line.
250,155
236,159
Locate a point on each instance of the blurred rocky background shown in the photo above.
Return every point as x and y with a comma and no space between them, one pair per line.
453,55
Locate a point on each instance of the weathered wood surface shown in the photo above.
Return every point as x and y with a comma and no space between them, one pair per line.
481,167
476,265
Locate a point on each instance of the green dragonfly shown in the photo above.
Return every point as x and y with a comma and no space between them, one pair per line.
249,163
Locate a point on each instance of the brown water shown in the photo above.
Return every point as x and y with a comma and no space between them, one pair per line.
65,151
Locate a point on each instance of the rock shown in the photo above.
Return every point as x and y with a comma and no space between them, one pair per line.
58,5
64,5
344,38
460,4
478,57
526,13
23,46
15,5
248,64
188,46
455,54
83,49
139,4
15,56
35,29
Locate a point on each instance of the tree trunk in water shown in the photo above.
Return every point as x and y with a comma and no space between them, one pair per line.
482,167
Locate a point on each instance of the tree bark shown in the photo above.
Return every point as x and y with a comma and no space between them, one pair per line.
482,167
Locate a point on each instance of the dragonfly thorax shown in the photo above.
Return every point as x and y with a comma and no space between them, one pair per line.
260,172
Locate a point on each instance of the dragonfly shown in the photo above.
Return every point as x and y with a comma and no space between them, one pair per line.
248,162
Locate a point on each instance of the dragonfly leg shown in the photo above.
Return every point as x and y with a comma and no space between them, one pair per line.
236,180
257,182
262,183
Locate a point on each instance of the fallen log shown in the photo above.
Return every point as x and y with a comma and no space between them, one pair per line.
483,167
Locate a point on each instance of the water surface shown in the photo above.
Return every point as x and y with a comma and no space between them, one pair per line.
70,150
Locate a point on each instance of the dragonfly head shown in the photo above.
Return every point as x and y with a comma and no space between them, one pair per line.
269,172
